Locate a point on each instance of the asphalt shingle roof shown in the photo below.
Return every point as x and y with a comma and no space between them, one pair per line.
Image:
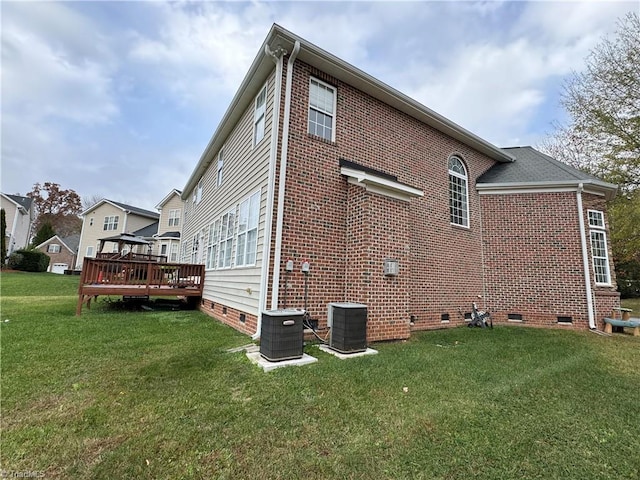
136,210
72,241
24,201
147,231
532,166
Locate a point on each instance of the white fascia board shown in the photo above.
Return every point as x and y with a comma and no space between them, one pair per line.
166,198
594,187
381,185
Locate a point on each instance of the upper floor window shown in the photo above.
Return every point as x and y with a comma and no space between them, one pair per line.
596,219
53,248
246,246
111,223
599,250
219,169
259,114
458,193
322,107
174,218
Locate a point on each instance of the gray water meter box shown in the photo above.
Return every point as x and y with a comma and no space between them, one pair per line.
281,334
348,322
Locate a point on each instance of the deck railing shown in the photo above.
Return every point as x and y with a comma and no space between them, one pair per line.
133,272
144,257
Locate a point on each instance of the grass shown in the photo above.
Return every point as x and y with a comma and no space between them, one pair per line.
155,395
632,303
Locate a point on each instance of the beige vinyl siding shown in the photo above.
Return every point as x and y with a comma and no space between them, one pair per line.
135,222
245,171
174,203
91,234
22,228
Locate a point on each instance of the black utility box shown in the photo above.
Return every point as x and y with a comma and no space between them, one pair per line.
281,335
348,322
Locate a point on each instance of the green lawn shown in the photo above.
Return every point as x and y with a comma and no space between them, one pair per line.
155,395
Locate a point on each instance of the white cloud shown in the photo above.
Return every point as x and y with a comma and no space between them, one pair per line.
45,76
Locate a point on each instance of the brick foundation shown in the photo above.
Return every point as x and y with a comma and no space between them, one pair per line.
230,316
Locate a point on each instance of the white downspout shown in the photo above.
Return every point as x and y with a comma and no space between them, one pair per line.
275,125
12,240
585,259
283,177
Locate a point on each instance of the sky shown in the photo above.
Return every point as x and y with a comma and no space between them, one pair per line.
118,99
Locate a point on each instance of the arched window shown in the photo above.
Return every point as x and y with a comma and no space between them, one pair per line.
458,192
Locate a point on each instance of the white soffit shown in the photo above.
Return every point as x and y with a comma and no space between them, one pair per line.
380,185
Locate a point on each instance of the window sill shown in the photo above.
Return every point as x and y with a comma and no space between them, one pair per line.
321,139
461,227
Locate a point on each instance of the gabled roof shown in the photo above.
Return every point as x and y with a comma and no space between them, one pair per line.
22,202
70,243
279,38
168,197
534,169
148,231
126,208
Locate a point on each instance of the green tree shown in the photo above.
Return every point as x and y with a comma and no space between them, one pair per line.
3,240
45,232
58,207
603,136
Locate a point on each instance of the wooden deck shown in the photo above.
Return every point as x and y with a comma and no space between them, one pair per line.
137,278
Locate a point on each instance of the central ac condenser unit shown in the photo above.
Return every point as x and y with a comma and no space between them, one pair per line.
348,323
281,335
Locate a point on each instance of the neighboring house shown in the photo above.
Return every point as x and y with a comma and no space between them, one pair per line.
167,236
19,214
108,219
62,252
392,205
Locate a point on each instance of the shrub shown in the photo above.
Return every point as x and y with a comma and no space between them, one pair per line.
28,261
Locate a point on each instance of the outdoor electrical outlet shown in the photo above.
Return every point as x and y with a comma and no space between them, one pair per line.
305,267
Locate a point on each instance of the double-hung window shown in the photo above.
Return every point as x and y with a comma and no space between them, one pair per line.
212,244
226,239
599,252
259,113
246,246
174,218
458,193
322,107
195,247
219,169
111,222
53,248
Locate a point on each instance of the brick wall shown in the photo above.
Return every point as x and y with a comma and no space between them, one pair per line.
230,316
533,259
440,264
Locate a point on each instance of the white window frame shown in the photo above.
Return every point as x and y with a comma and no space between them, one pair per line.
596,219
259,116
599,248
219,168
458,214
247,236
173,252
165,247
89,251
111,222
213,244
174,217
195,247
315,83
227,230
53,248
